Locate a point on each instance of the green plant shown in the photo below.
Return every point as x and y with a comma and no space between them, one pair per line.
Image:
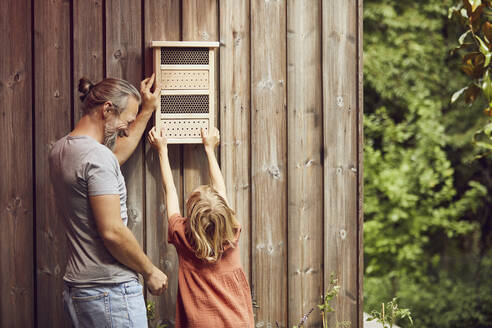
151,316
325,307
476,45
389,314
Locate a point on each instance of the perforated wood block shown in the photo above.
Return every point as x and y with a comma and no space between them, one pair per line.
185,79
184,130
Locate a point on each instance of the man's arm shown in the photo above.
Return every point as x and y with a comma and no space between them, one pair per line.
125,146
121,243
211,141
159,142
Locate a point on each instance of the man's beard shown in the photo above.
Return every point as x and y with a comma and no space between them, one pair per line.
110,136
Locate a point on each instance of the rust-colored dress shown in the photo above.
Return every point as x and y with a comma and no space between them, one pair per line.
209,295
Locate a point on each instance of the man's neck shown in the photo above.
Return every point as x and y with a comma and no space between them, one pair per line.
90,126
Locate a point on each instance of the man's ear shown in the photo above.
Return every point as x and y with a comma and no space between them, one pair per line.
107,109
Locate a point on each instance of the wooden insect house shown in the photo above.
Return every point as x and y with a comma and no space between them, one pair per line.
186,71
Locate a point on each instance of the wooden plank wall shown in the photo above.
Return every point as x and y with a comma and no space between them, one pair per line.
53,117
289,104
16,192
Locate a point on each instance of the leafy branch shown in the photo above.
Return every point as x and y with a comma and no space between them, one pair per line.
476,44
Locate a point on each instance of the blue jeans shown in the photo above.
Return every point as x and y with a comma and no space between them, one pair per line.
118,305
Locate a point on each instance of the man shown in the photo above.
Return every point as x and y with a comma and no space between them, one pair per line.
104,257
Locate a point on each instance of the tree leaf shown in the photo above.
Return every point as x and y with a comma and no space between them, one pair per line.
471,93
463,46
487,31
457,94
467,7
487,86
461,40
475,4
488,129
485,51
477,13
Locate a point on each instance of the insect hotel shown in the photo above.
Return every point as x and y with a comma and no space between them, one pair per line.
186,73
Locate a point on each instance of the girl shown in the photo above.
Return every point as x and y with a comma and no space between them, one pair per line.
212,287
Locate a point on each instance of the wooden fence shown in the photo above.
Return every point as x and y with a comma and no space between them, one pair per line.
289,95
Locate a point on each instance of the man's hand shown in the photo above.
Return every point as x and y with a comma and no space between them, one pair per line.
157,140
156,282
212,139
150,100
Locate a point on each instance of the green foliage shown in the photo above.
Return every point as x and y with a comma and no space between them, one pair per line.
425,196
476,45
389,313
325,307
151,316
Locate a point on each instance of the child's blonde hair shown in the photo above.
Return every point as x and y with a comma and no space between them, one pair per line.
211,224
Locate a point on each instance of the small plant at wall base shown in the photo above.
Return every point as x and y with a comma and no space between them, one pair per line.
325,307
151,316
389,314
476,43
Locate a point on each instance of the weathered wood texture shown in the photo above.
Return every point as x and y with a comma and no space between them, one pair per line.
163,22
53,117
341,166
360,159
88,45
124,60
305,171
269,160
16,191
235,115
289,105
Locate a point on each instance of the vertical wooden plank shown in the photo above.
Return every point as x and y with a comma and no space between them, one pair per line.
124,60
360,166
305,172
340,108
52,121
199,23
235,115
162,22
88,45
16,194
268,160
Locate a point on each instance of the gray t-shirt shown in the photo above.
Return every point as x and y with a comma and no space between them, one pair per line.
81,167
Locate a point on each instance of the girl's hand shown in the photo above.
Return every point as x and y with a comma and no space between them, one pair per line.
150,100
157,140
212,139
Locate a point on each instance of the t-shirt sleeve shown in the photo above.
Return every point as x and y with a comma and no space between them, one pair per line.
101,176
173,222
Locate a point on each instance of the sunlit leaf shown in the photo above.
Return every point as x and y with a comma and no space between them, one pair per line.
457,94
475,4
487,86
453,10
467,7
485,51
461,40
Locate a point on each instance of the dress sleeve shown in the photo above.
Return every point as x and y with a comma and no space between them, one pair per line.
173,222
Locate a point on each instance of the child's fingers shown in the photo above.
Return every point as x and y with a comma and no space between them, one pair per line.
202,131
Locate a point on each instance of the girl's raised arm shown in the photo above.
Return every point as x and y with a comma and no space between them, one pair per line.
210,141
159,142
